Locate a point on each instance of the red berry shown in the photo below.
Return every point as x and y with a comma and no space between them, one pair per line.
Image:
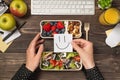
54,33
47,27
60,25
53,28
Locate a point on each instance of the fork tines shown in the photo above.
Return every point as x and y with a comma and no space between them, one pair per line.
86,26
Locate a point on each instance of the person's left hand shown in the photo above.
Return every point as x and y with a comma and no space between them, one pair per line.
33,53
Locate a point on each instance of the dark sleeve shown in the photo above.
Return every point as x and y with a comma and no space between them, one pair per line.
22,74
93,74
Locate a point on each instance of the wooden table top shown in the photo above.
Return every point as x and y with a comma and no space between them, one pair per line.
106,58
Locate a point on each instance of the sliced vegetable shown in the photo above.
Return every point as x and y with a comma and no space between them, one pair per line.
77,58
53,62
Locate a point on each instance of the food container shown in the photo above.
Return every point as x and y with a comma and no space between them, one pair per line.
69,61
51,27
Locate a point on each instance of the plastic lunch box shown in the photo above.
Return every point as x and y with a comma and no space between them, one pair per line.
70,27
48,60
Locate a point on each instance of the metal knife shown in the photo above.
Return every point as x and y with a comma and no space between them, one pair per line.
18,28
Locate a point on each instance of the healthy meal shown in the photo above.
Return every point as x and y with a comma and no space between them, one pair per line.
49,28
60,61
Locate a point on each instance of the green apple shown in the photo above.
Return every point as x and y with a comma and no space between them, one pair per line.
7,22
18,8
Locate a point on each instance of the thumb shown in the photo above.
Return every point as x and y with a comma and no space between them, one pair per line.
77,48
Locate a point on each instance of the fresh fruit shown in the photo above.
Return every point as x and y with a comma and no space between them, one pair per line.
57,30
7,22
60,25
53,28
63,30
54,33
18,8
53,23
47,27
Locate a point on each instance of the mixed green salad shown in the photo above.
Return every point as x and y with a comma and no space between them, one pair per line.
60,61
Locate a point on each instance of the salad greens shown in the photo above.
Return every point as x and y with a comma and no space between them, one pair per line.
104,4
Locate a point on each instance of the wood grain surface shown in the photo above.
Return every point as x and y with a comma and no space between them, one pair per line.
106,58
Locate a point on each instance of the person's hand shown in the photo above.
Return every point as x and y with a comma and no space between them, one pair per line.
33,53
85,50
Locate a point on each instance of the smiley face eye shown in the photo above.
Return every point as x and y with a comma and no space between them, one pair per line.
60,39
64,39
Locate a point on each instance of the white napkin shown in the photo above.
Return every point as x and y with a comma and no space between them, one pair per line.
114,37
12,37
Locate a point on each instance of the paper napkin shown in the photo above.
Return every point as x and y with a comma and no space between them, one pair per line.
108,32
62,43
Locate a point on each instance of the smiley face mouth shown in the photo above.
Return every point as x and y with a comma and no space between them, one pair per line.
62,48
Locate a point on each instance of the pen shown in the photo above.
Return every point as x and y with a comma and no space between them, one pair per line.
1,32
18,28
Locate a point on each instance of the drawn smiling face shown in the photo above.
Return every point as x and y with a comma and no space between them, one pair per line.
62,43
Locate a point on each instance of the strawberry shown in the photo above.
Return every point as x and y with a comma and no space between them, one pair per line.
54,33
47,27
53,28
60,25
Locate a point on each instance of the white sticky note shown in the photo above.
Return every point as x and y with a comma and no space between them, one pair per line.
12,37
114,37
62,43
3,8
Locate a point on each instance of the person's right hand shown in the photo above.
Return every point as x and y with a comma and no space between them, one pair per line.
85,50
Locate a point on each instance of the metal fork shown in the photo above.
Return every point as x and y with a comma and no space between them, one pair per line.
86,28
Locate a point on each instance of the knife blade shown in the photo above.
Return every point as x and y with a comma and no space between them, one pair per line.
14,31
